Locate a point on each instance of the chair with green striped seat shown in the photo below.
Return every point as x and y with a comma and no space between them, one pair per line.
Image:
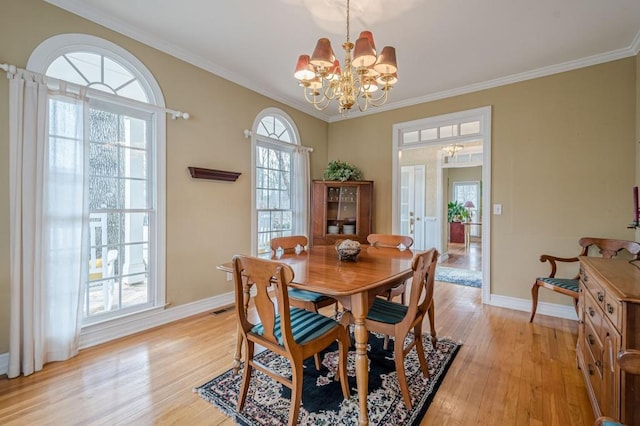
605,247
399,320
293,333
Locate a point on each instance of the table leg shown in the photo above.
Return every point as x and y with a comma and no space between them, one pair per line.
360,306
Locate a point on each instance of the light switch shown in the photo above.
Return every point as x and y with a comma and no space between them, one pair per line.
229,277
497,209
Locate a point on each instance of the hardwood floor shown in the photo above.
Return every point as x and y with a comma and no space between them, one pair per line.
508,372
465,258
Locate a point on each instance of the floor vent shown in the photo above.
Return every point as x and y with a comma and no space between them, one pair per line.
222,310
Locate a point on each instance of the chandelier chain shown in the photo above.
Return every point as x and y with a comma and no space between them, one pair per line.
348,31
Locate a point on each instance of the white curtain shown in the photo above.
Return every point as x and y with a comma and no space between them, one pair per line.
301,191
48,254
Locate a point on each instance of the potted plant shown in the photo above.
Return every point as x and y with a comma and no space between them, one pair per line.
342,171
456,214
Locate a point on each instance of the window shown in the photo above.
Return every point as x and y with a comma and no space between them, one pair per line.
463,192
124,176
280,182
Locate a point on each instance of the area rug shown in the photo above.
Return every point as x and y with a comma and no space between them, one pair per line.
322,401
459,276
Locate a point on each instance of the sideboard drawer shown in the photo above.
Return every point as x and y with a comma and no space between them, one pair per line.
593,313
593,373
613,310
591,284
593,341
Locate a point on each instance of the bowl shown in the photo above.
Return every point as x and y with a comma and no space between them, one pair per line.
348,249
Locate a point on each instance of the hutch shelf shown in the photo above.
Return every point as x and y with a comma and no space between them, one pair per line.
341,210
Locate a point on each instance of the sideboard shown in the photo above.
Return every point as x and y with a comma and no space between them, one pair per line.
609,322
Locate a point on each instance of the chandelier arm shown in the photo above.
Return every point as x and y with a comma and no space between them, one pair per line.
319,102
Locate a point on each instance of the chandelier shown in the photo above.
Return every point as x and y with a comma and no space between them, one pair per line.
323,80
452,149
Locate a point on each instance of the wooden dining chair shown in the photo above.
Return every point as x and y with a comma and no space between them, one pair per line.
390,240
290,332
303,299
606,247
397,320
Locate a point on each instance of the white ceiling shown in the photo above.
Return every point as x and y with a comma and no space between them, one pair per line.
444,47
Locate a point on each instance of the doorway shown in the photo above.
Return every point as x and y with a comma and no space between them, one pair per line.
440,147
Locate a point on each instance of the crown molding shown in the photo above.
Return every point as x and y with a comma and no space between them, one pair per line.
613,55
78,8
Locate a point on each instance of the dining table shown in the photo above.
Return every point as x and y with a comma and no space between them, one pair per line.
355,284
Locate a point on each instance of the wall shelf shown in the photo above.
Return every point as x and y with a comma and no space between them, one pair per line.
201,173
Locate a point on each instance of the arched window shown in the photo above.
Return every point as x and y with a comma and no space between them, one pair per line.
125,169
281,180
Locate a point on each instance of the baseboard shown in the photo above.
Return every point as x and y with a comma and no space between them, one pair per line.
551,309
100,333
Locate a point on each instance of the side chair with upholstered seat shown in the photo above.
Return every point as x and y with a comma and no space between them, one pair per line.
399,320
290,332
606,247
390,240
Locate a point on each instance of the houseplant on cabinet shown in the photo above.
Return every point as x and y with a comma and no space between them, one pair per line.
342,171
456,214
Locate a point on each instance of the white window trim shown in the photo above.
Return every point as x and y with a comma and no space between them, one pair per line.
41,57
257,139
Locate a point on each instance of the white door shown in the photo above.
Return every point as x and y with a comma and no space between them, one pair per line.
412,187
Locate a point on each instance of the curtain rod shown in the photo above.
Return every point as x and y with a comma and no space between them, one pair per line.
12,69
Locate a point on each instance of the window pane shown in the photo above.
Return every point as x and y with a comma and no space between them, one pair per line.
261,177
264,221
284,181
60,68
137,163
274,199
262,199
135,194
470,128
262,155
429,134
103,193
285,200
134,133
105,127
285,161
287,220
410,137
448,131
115,75
103,160
274,160
88,64
135,91
63,119
274,179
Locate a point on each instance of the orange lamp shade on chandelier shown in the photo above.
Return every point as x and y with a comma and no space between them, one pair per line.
323,80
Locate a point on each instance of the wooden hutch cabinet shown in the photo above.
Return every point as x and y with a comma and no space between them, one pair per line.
609,313
341,210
